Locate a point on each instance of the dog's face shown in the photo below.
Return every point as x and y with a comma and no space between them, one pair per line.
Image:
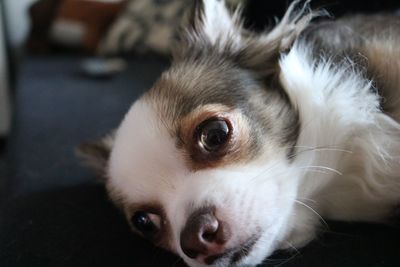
202,163
201,168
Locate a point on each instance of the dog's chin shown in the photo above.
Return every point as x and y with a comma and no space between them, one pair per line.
248,253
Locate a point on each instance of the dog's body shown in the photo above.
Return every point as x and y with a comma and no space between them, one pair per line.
367,183
248,139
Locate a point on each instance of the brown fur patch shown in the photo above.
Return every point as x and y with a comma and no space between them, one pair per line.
384,68
372,42
95,154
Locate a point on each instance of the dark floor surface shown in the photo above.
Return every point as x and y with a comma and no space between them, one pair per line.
53,211
3,169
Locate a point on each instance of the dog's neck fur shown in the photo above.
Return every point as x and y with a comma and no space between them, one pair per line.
346,149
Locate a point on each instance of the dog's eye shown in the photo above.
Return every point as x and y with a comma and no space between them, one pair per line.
146,223
212,134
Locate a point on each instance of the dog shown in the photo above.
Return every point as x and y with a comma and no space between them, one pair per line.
249,140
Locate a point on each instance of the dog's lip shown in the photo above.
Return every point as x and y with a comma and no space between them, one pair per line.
235,254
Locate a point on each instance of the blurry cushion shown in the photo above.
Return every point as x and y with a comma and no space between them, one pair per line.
81,23
146,26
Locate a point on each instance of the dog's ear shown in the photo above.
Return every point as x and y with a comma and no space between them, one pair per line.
95,154
211,24
261,52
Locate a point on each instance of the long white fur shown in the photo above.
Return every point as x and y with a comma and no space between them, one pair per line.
345,135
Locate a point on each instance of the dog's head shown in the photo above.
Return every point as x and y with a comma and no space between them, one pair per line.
202,162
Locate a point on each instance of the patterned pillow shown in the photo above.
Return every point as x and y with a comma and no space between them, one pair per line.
146,26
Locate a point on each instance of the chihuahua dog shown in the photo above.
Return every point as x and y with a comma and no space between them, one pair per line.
249,140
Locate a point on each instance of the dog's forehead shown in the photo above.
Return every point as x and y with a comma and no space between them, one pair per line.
144,157
194,82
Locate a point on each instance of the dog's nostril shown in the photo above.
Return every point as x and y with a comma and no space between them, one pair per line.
209,231
203,234
209,237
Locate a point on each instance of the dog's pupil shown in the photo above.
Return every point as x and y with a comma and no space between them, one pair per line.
214,134
143,223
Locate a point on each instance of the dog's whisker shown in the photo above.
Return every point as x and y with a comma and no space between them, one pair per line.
313,211
176,262
323,168
297,252
318,149
287,260
316,169
307,199
309,149
292,247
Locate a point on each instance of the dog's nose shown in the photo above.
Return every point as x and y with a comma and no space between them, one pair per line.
204,235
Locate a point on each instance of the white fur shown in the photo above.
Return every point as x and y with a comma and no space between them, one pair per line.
218,26
353,148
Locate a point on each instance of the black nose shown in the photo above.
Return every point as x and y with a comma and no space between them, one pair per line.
204,234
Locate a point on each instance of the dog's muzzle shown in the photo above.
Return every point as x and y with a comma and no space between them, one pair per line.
204,236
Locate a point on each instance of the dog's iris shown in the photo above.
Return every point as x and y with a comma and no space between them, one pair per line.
213,134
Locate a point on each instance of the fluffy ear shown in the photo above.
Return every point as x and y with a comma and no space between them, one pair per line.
213,26
211,23
95,154
261,52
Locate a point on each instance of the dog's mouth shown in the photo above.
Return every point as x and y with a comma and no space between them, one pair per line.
234,255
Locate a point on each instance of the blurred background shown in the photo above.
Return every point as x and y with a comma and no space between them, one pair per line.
69,70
